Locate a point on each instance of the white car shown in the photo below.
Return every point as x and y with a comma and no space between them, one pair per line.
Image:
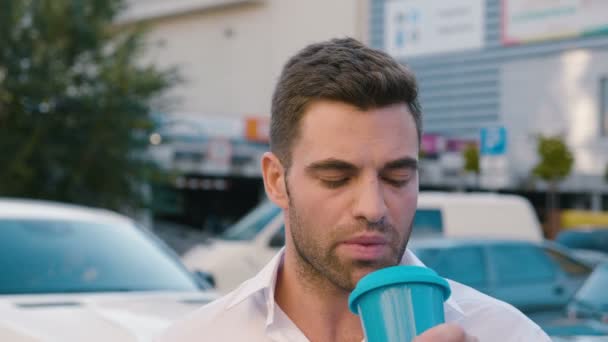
248,245
242,250
71,273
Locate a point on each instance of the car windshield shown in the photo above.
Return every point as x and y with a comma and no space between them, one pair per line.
59,256
593,292
249,226
596,240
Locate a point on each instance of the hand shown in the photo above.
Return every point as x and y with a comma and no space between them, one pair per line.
445,333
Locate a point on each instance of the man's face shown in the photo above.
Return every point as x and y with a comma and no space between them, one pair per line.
353,189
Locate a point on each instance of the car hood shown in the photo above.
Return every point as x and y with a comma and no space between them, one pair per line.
117,317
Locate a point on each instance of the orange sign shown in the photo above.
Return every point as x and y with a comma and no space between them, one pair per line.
257,129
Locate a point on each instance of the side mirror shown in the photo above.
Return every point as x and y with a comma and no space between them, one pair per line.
204,278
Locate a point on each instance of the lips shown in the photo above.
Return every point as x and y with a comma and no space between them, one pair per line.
367,240
366,247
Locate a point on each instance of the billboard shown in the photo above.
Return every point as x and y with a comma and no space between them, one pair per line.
422,27
526,21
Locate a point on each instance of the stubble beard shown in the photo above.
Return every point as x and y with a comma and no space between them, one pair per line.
320,267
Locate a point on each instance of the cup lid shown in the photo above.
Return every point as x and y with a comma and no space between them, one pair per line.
396,275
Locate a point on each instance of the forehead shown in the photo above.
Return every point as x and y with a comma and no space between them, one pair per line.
338,130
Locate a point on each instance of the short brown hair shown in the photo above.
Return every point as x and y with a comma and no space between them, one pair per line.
341,70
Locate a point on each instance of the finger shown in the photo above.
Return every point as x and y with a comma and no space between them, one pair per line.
444,333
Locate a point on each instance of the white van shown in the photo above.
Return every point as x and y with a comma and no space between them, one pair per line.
249,244
478,215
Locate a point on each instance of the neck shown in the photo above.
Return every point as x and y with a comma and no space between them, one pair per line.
314,304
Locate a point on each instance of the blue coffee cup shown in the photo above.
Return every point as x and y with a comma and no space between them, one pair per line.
395,304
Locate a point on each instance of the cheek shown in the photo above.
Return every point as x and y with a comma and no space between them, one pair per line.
316,202
403,205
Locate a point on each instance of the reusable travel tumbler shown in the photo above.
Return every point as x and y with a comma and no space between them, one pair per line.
398,303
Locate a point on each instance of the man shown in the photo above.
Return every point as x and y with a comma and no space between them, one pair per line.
345,133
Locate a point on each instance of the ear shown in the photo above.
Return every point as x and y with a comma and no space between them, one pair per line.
274,180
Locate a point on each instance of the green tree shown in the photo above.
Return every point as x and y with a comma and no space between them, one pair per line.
470,155
75,103
555,164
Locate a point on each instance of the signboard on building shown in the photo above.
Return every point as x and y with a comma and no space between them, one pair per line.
257,128
422,27
526,21
493,163
432,145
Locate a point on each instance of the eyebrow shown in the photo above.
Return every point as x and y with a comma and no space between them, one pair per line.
331,164
402,163
340,165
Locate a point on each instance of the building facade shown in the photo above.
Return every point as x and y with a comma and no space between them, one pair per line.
524,68
229,54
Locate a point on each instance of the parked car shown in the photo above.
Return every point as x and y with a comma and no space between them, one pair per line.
576,330
590,244
530,276
592,238
591,301
591,257
586,316
71,273
578,338
472,215
247,246
242,250
595,239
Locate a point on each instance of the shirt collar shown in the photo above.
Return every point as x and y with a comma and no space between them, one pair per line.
266,279
265,282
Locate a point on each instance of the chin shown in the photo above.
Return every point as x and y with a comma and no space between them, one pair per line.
361,272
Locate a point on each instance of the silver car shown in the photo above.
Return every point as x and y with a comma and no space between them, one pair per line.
71,273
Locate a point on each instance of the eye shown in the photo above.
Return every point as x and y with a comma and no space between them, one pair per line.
334,183
397,183
399,179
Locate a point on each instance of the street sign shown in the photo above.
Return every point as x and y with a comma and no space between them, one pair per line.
493,141
493,161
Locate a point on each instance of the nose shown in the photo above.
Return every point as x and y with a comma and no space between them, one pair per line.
370,204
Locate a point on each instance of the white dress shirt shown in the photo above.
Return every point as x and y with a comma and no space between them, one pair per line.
250,313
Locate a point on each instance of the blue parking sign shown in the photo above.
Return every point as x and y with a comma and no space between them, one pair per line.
493,141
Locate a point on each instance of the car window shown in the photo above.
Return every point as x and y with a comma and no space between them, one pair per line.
249,226
58,256
427,222
521,263
568,264
278,238
463,264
